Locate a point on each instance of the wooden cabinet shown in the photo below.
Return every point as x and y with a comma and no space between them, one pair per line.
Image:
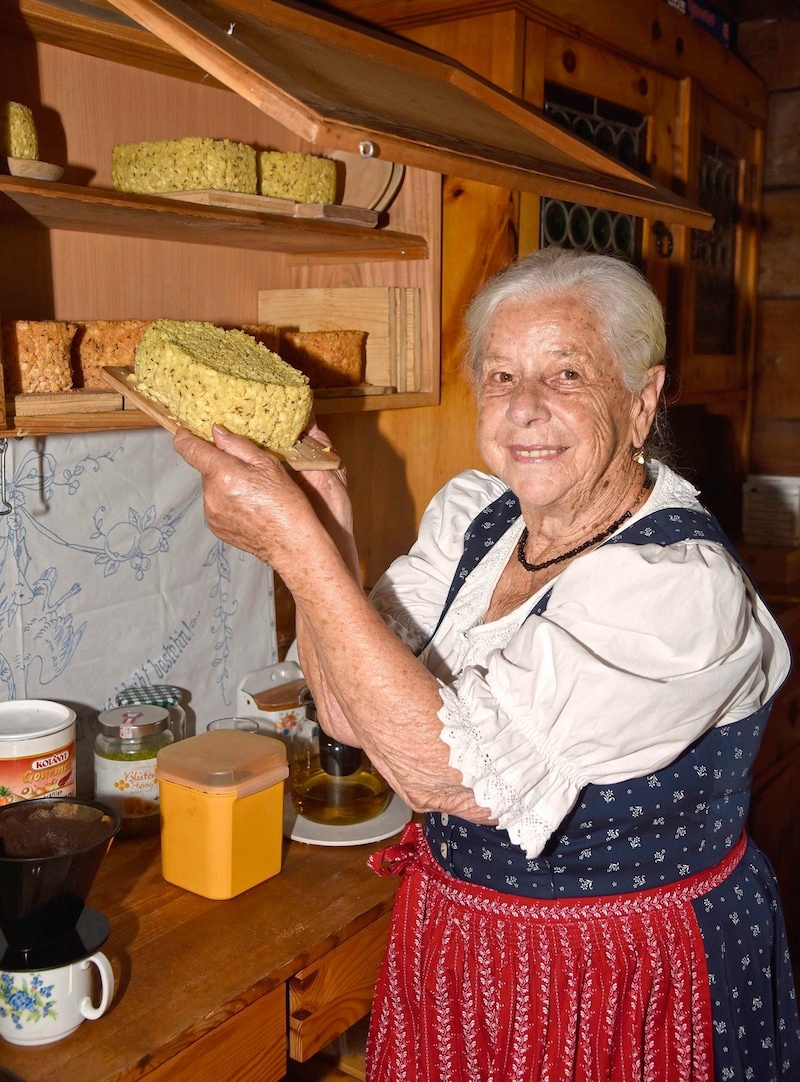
629,109
643,64
357,93
477,160
328,997
77,250
250,1047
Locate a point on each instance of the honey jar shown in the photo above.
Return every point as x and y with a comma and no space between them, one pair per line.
221,811
159,695
125,750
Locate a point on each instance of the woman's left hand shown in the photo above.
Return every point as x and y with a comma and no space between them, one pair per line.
326,489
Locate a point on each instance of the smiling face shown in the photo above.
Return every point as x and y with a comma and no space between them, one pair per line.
555,419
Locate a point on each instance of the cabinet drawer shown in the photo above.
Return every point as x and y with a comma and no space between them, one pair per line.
328,997
250,1047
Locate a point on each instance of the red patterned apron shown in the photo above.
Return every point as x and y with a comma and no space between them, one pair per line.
479,986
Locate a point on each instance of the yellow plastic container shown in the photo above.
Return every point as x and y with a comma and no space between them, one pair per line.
221,811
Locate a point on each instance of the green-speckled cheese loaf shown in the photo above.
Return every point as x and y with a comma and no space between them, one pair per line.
18,138
179,165
305,178
205,375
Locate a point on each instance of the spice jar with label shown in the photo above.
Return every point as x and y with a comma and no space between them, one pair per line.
125,752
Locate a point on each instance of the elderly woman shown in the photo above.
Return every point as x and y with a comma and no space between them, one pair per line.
569,674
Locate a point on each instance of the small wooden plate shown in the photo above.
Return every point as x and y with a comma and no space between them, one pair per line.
307,453
28,167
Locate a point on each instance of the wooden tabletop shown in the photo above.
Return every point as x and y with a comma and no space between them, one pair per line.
184,964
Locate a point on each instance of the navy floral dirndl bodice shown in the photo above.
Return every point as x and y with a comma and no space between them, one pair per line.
635,834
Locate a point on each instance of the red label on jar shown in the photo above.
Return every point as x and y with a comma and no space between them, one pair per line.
30,776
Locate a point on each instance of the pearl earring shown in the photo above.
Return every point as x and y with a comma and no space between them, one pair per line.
638,456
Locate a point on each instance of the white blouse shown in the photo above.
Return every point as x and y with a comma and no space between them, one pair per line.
641,649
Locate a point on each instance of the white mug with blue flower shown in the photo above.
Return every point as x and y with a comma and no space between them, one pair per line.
39,1006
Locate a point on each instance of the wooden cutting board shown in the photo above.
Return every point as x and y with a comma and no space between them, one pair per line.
58,403
263,204
307,453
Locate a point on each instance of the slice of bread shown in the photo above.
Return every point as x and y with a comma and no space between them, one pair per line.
101,342
329,358
205,375
265,333
36,355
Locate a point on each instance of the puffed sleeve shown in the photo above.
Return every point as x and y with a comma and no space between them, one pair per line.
411,594
640,651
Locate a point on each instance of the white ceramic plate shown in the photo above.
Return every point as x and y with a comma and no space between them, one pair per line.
27,167
383,826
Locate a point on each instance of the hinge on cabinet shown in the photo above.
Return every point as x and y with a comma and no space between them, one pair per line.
663,239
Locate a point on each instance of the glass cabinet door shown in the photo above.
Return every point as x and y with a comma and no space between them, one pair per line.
682,138
719,279
625,109
619,132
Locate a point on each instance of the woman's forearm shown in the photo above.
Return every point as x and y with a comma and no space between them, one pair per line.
329,710
373,692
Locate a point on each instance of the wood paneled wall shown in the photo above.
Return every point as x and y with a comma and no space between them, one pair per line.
773,50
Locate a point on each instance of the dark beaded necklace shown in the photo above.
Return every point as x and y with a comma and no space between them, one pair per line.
523,540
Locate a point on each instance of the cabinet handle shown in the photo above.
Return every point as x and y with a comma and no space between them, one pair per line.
664,244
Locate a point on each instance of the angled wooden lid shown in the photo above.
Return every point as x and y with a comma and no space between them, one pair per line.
339,86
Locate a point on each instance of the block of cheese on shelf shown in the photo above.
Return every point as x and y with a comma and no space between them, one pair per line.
36,355
205,375
18,136
334,358
101,342
180,165
304,178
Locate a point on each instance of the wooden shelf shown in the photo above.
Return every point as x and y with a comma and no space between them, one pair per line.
96,210
64,423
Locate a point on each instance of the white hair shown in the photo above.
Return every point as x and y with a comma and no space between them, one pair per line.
630,313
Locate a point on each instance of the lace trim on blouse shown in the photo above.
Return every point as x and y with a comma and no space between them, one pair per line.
526,826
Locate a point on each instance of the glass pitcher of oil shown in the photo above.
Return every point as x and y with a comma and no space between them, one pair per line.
332,783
